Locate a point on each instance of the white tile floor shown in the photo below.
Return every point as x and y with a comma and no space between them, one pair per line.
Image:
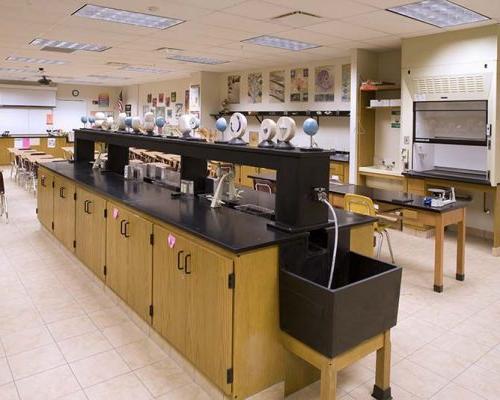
63,337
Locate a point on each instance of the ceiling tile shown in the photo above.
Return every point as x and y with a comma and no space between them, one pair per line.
258,9
329,9
241,23
385,21
345,30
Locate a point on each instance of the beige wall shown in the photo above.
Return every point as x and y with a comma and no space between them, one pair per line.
88,94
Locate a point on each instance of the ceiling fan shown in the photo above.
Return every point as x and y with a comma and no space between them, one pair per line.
44,81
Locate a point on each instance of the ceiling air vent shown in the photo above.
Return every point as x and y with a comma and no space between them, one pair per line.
298,19
58,49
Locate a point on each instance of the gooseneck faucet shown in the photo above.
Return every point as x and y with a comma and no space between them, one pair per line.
233,193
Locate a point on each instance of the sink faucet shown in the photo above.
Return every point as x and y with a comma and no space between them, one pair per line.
232,193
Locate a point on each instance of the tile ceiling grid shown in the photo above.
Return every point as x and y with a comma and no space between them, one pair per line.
213,29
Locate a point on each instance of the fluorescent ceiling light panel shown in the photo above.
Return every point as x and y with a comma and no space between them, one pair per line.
17,70
280,43
149,70
196,60
34,60
126,17
61,44
106,77
440,13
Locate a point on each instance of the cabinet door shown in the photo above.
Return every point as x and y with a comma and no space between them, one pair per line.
169,287
45,194
91,231
64,215
116,251
210,313
137,232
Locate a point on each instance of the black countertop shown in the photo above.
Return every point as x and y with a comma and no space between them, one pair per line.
228,228
449,175
402,199
340,156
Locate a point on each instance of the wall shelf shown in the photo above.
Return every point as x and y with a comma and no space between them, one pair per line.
260,114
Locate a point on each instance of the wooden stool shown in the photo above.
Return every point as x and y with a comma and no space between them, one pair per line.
330,366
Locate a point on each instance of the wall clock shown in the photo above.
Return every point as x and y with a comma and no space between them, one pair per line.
75,93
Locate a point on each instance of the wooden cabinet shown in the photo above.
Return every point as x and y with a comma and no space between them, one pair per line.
90,231
64,211
193,303
340,169
45,201
129,258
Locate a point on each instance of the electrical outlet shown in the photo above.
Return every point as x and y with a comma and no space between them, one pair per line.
406,140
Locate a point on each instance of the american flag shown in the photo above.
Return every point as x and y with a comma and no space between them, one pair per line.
120,102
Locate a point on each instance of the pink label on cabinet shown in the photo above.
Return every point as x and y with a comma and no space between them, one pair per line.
171,241
115,213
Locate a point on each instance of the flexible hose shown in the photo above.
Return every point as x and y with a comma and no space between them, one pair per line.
334,255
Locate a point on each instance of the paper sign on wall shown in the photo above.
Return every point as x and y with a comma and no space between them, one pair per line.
26,143
115,213
35,141
51,143
18,143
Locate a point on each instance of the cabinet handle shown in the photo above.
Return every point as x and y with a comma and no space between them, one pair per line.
125,230
61,192
85,207
179,253
122,232
88,206
186,257
42,180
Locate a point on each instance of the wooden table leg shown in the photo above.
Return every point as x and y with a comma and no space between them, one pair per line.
328,388
461,249
382,388
438,254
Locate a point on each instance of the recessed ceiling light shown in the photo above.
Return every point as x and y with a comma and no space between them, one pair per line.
281,43
196,60
126,17
17,70
151,70
440,13
34,60
72,46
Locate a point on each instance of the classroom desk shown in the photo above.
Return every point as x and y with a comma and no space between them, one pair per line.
415,210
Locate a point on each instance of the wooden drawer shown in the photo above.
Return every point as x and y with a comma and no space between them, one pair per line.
416,186
336,169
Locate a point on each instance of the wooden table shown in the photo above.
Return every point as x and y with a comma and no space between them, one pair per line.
329,367
415,211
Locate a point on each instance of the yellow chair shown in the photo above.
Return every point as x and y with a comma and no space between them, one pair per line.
364,205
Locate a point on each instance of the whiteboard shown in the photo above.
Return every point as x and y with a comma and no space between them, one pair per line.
67,114
24,120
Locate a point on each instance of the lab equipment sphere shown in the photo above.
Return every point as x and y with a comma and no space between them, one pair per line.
268,129
108,123
149,121
84,119
121,121
128,122
187,123
310,126
286,129
221,124
160,122
237,125
136,124
91,120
